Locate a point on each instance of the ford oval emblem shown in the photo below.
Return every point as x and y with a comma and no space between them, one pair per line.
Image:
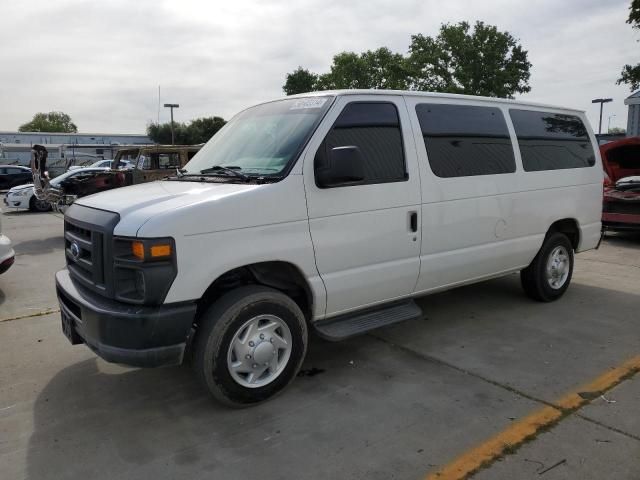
74,249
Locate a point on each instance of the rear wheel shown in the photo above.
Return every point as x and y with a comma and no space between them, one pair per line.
36,205
250,345
549,274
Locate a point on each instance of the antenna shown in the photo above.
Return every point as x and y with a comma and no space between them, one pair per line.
158,104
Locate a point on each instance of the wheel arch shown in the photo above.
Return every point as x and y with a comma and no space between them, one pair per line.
568,226
280,275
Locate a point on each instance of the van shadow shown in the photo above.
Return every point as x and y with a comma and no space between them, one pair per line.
89,423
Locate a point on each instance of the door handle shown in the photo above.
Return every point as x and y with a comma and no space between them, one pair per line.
413,221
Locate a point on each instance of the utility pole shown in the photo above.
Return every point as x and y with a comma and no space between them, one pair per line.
175,105
601,101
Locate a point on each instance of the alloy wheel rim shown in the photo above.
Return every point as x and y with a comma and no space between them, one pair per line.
259,351
558,266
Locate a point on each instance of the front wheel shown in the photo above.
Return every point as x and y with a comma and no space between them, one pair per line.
250,345
549,274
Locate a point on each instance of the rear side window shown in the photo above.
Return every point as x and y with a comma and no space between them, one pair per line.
464,140
552,141
375,129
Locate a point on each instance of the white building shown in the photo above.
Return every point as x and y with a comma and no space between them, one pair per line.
15,147
633,119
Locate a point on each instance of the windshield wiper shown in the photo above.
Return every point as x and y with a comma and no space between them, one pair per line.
229,170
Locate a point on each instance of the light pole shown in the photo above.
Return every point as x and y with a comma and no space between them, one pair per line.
609,123
601,101
175,105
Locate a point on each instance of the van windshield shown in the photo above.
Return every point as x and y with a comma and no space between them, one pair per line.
261,140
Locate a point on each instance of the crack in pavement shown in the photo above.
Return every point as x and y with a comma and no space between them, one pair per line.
30,315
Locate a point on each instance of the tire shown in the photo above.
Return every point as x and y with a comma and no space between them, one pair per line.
549,274
237,317
36,205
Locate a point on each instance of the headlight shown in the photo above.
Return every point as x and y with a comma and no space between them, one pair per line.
22,193
144,269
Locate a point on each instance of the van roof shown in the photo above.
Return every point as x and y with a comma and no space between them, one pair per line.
412,93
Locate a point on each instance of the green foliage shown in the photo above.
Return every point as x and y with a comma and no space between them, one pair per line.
482,61
617,130
631,73
54,122
380,69
197,131
478,61
300,81
634,14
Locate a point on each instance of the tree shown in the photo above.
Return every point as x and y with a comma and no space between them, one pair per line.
617,130
379,69
484,61
631,74
478,61
199,130
54,122
300,81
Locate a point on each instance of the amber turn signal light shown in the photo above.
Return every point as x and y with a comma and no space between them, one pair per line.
159,251
137,248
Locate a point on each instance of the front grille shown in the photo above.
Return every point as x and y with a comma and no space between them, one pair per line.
84,251
88,235
632,208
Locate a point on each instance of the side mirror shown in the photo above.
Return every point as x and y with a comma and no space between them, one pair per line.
345,166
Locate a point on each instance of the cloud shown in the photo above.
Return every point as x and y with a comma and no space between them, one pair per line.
102,62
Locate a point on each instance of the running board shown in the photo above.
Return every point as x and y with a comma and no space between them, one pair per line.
351,324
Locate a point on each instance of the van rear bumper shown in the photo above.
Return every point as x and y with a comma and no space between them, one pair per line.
133,335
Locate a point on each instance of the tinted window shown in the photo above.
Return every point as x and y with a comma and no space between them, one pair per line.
551,141
375,129
463,140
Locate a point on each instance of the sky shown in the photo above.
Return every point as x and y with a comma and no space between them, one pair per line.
102,61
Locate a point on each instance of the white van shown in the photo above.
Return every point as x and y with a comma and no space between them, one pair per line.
329,212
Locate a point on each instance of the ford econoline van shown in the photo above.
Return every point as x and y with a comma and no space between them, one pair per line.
327,212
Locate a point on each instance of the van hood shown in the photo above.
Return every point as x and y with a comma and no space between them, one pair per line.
179,208
157,197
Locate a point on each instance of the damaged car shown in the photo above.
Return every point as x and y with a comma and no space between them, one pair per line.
23,197
143,164
621,202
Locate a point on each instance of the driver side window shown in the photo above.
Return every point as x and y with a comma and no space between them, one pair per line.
373,127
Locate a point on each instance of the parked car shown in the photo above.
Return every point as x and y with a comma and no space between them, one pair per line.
23,196
12,175
123,164
151,163
326,212
621,206
7,255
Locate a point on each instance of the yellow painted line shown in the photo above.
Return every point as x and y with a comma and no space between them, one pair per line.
528,427
29,315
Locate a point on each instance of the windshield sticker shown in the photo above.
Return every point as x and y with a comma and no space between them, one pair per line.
304,103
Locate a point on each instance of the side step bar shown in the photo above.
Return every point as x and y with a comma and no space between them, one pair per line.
351,324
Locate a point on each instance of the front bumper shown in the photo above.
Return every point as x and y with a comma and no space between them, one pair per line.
17,201
121,333
621,221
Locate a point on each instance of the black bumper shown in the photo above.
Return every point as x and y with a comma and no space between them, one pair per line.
121,333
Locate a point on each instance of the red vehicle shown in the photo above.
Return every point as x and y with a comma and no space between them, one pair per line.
621,162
